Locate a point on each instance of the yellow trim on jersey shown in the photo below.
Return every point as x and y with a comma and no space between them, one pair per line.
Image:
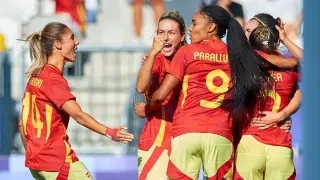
184,89
68,151
25,112
277,100
162,129
48,119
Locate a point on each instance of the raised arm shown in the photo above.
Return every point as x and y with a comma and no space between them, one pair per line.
296,51
174,77
145,74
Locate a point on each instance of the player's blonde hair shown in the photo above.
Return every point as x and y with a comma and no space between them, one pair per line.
177,17
41,45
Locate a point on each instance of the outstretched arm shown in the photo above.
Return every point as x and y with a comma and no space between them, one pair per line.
72,108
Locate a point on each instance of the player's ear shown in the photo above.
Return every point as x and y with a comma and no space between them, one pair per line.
58,45
212,27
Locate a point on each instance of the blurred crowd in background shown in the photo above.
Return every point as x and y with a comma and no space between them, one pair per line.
90,18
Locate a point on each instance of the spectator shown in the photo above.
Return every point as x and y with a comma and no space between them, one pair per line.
137,5
92,8
233,8
72,9
81,11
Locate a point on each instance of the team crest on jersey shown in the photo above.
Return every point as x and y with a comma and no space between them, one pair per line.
87,173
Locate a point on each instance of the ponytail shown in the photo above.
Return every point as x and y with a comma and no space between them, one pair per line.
37,54
41,45
249,72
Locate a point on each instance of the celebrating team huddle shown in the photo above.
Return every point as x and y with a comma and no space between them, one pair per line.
223,107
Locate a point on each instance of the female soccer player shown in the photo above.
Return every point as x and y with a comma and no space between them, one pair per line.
267,20
48,104
155,139
207,69
267,153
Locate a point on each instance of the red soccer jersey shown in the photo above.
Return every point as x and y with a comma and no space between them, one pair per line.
45,123
157,129
205,74
285,85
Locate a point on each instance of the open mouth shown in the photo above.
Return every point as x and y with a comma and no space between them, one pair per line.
167,47
74,51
